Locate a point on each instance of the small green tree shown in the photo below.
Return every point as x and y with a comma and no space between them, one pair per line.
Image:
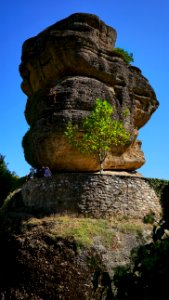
99,132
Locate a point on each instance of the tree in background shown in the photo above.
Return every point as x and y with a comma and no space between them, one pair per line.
99,133
8,180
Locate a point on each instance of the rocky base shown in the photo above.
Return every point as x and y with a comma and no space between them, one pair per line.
38,263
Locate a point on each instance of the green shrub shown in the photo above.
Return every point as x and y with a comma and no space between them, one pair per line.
149,218
128,57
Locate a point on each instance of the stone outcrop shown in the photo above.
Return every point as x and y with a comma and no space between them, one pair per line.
64,69
39,263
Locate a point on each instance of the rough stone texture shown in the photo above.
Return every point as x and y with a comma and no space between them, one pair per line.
92,195
64,69
37,265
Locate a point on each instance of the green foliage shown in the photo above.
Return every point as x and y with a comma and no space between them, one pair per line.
146,278
149,218
99,132
128,57
158,185
13,202
8,180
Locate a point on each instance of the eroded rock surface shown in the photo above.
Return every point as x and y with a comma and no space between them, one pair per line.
38,261
64,69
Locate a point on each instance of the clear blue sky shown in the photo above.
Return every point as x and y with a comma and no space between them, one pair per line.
142,28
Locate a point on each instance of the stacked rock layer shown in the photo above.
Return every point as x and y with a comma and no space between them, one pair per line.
64,69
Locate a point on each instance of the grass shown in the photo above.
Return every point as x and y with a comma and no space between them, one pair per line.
86,230
131,227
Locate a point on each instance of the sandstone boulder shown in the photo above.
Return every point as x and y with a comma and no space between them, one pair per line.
64,69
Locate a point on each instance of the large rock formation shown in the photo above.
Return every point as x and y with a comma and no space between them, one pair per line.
64,69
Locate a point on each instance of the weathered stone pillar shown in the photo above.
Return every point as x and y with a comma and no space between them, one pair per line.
64,69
